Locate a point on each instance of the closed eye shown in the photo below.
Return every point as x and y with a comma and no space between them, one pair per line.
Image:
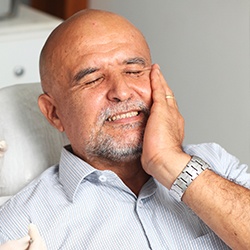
95,81
135,73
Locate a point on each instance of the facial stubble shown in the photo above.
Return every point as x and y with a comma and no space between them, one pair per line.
125,143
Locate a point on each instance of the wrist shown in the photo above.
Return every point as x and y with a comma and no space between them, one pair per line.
169,168
192,170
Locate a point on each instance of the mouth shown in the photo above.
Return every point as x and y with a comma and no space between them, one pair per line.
121,116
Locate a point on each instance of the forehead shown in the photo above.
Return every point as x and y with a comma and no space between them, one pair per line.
99,39
98,50
112,51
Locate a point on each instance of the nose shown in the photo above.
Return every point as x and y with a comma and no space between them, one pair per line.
119,89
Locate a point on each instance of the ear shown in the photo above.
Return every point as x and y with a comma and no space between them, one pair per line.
48,108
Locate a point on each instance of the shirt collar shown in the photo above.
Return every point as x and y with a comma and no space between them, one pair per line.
72,171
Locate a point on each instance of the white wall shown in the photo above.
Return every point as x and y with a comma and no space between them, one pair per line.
202,47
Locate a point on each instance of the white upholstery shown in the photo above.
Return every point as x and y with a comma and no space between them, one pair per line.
28,143
3,199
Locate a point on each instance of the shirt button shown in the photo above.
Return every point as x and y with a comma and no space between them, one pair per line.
140,204
102,178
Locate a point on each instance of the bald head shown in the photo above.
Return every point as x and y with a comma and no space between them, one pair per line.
84,29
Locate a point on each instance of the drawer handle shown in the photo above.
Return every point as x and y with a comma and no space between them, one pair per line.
19,71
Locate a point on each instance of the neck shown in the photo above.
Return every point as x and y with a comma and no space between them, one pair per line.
131,173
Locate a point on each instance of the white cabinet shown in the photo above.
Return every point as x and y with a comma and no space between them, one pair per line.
21,40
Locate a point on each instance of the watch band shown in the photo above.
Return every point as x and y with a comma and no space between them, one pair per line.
192,170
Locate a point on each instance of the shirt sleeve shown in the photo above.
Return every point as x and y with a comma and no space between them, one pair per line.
221,162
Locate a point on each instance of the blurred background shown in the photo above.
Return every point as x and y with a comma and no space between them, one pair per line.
203,50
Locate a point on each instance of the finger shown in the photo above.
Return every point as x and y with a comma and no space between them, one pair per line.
33,231
19,244
24,242
160,88
160,79
36,243
158,84
171,100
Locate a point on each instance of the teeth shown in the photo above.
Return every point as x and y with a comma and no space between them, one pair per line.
122,116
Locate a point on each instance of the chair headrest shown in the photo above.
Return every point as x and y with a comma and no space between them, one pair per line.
28,143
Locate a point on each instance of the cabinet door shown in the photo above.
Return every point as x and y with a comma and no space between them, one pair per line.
19,61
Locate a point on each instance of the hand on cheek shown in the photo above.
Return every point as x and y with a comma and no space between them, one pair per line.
162,155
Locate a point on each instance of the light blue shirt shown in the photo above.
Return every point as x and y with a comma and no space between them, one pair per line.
78,207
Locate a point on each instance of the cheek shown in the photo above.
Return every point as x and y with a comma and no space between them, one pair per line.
145,92
73,115
84,111
77,125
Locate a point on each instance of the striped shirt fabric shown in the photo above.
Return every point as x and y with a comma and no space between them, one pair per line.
78,207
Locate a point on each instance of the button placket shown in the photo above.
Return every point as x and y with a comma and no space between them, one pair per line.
140,203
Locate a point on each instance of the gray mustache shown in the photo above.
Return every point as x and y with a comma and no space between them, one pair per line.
124,107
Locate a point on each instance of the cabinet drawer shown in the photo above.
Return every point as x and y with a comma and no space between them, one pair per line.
19,61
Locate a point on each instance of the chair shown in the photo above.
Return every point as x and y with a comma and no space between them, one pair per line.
28,143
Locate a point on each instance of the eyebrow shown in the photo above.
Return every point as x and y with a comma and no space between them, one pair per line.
82,73
135,60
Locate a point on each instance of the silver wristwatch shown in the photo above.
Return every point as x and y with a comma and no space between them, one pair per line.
192,170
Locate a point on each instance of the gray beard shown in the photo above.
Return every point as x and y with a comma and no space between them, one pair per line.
113,149
117,149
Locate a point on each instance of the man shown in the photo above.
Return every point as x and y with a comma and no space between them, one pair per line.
111,187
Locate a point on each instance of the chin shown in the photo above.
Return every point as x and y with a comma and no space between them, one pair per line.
117,152
125,155
123,148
